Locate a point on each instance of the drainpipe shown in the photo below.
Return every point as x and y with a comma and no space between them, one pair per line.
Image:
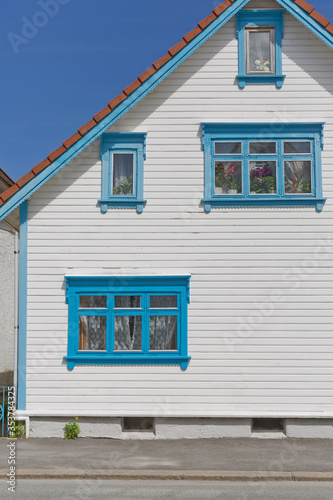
13,231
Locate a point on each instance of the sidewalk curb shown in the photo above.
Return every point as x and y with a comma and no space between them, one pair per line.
175,475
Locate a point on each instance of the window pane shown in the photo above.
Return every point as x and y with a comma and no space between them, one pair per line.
123,164
295,148
127,333
228,148
297,177
163,333
92,302
228,177
163,301
260,51
262,177
92,333
127,302
262,148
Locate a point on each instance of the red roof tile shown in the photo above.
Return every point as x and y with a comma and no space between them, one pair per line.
72,140
102,114
176,48
162,60
117,100
26,178
141,79
304,5
56,153
192,34
130,88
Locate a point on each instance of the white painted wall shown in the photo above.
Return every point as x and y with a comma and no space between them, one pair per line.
6,307
238,258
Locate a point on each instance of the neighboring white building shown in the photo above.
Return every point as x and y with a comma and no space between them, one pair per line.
6,293
176,252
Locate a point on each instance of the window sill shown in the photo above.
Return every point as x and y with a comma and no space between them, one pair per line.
128,359
261,80
264,202
122,202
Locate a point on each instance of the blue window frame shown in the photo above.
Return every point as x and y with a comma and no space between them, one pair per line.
260,36
263,165
127,320
122,156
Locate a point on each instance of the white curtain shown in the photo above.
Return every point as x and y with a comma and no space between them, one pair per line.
122,168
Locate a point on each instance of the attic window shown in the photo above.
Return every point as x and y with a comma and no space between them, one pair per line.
260,51
260,36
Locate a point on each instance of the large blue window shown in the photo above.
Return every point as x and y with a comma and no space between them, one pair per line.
263,164
127,320
122,156
260,34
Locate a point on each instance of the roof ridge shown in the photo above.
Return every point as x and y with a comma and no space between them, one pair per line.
323,21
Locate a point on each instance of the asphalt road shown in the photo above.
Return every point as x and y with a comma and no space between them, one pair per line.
166,490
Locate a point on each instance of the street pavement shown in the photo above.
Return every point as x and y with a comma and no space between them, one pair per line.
161,490
211,459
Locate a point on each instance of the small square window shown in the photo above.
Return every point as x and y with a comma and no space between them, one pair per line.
228,177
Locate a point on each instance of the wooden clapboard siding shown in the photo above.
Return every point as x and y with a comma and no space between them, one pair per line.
238,258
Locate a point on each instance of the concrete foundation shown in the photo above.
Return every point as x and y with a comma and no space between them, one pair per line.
180,428
309,428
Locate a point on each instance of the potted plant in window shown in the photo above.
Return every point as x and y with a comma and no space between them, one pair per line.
262,181
233,187
124,187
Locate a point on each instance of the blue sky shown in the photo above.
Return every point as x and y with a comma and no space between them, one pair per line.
56,76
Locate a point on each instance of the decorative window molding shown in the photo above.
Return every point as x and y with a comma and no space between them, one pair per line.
263,165
122,156
127,320
255,27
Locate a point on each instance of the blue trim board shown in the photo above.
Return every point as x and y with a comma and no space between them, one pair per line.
248,18
35,183
111,286
22,336
258,132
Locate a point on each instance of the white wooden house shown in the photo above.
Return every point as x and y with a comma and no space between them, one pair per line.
176,252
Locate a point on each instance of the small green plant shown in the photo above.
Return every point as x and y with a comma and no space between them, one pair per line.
233,185
17,432
124,187
72,430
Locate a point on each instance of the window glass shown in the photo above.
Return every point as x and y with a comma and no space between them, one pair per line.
228,177
262,177
297,177
127,333
163,301
93,302
163,333
127,302
262,148
92,333
123,165
259,51
295,148
228,148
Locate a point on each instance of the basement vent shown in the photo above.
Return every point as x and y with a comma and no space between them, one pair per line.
138,424
267,425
